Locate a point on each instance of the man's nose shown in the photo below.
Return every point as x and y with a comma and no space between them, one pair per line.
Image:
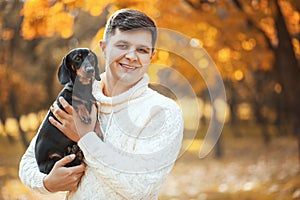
131,55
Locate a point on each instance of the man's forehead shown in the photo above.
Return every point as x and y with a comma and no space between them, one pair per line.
136,36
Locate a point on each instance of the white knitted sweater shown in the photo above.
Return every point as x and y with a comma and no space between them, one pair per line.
142,138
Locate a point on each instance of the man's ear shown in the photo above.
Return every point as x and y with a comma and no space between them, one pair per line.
103,47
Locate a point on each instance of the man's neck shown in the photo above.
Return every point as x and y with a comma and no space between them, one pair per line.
111,88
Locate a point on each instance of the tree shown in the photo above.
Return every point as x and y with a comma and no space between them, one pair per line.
240,36
28,66
283,39
16,75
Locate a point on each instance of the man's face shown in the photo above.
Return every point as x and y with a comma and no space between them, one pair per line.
128,55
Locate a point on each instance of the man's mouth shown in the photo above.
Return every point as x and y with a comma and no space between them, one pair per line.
127,67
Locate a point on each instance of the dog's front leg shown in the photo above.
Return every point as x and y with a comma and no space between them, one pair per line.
83,113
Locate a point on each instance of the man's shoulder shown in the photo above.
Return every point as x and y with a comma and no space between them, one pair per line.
162,100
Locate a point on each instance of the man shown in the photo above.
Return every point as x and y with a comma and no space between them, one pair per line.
141,129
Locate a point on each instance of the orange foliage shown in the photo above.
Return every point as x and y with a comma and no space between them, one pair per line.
35,22
45,18
95,8
220,29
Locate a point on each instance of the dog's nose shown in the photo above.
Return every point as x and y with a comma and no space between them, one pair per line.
90,70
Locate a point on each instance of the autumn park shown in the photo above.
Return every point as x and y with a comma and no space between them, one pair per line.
233,66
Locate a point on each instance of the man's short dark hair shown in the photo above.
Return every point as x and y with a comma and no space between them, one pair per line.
130,19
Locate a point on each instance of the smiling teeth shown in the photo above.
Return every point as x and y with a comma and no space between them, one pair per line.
127,66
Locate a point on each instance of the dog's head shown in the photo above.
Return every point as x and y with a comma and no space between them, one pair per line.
80,62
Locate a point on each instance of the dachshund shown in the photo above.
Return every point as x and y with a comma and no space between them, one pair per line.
77,71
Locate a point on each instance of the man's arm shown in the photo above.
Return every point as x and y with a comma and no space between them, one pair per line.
59,179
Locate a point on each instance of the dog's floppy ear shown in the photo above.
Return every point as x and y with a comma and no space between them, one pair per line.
97,73
63,72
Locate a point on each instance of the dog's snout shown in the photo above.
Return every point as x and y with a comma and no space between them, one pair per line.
90,69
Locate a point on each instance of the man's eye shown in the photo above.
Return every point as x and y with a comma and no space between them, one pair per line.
122,46
141,50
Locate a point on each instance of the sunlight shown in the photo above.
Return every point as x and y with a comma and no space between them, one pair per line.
249,44
29,122
23,123
194,42
11,126
163,55
224,55
277,88
296,45
235,188
222,110
238,75
192,144
223,187
199,54
207,110
248,186
244,111
191,112
203,63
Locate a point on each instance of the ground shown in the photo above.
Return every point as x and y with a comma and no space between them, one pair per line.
248,170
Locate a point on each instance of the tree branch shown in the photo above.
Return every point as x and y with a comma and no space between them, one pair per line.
251,22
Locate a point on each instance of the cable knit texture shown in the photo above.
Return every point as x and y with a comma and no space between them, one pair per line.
142,138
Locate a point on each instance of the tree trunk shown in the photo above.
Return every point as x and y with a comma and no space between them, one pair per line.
286,66
13,106
288,70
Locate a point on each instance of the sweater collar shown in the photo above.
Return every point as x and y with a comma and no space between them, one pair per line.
117,103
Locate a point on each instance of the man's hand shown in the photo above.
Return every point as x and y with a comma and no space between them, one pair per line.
69,121
63,178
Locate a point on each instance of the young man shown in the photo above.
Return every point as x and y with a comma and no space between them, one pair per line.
142,130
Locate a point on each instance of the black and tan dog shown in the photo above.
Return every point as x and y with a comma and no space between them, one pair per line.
77,71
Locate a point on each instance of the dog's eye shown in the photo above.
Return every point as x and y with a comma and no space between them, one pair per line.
77,58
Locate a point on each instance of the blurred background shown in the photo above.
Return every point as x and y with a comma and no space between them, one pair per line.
254,44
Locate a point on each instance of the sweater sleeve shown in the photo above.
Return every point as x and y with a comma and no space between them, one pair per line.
137,176
29,172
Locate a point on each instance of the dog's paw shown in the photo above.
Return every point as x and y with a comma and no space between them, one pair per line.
83,114
74,149
79,155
